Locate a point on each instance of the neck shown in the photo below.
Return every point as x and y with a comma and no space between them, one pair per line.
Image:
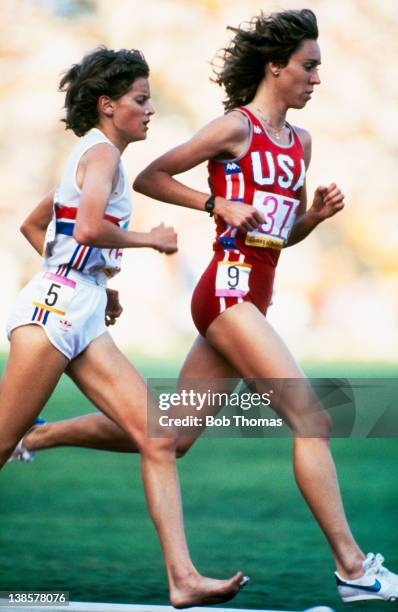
115,139
272,108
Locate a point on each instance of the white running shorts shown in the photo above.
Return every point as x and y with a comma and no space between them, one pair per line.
71,309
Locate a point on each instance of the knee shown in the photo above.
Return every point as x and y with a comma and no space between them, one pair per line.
183,447
312,421
316,426
158,449
324,425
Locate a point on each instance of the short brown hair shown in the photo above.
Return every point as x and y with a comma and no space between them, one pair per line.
102,72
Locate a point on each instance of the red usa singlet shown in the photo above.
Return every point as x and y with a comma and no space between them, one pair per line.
269,176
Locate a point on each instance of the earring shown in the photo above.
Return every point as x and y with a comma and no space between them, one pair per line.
276,73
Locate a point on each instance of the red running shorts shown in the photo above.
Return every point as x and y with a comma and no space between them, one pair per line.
231,278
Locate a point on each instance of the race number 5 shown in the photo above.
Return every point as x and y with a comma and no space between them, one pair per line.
52,295
55,293
232,279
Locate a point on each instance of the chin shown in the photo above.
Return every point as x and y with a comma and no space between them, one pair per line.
140,136
299,105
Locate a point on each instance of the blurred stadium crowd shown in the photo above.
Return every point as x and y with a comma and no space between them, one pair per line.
337,292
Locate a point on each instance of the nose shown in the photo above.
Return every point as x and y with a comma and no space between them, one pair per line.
315,80
150,110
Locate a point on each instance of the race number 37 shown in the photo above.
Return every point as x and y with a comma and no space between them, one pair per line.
232,279
280,213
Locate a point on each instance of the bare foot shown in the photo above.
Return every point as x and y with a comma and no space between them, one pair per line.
198,590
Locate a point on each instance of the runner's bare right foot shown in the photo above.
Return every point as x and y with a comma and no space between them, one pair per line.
196,590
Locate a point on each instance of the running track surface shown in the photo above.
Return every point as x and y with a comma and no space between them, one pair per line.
108,607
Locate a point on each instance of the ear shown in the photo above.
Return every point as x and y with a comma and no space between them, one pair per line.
106,106
273,69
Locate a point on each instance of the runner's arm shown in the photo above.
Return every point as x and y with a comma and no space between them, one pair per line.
327,201
101,164
220,139
35,225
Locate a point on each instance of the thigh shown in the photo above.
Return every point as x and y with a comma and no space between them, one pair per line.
205,361
245,338
32,371
114,386
203,370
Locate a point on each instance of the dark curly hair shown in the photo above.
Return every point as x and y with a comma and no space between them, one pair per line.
102,72
268,38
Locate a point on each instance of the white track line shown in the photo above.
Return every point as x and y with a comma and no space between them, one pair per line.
77,606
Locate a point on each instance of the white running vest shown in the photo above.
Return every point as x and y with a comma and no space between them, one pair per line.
61,249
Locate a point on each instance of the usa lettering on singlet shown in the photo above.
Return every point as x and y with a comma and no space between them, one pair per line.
269,176
61,250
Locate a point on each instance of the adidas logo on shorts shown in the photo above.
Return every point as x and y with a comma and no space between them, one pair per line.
65,324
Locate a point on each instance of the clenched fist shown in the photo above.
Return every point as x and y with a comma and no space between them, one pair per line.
113,308
164,239
245,218
327,201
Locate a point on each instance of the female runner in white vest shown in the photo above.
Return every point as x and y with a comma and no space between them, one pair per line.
58,322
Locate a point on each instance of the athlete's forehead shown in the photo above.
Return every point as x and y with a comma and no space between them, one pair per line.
308,51
140,87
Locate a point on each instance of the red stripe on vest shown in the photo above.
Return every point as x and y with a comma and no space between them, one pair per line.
69,212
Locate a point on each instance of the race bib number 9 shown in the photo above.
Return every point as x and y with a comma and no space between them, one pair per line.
232,279
56,293
280,213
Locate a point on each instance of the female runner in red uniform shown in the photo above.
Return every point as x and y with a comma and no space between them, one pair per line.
257,164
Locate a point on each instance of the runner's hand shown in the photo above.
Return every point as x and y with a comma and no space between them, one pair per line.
327,201
164,239
113,308
245,218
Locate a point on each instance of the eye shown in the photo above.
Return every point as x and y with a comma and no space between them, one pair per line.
311,66
141,101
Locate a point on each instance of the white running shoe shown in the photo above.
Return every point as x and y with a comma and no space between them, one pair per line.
21,453
377,582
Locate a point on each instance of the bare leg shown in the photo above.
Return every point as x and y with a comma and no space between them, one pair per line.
98,431
113,385
262,354
204,365
94,430
33,370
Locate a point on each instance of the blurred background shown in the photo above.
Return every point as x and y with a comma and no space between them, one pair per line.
336,301
337,292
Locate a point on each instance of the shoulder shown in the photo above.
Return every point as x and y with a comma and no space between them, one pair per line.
304,136
99,162
99,151
101,157
305,139
235,124
232,126
226,135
